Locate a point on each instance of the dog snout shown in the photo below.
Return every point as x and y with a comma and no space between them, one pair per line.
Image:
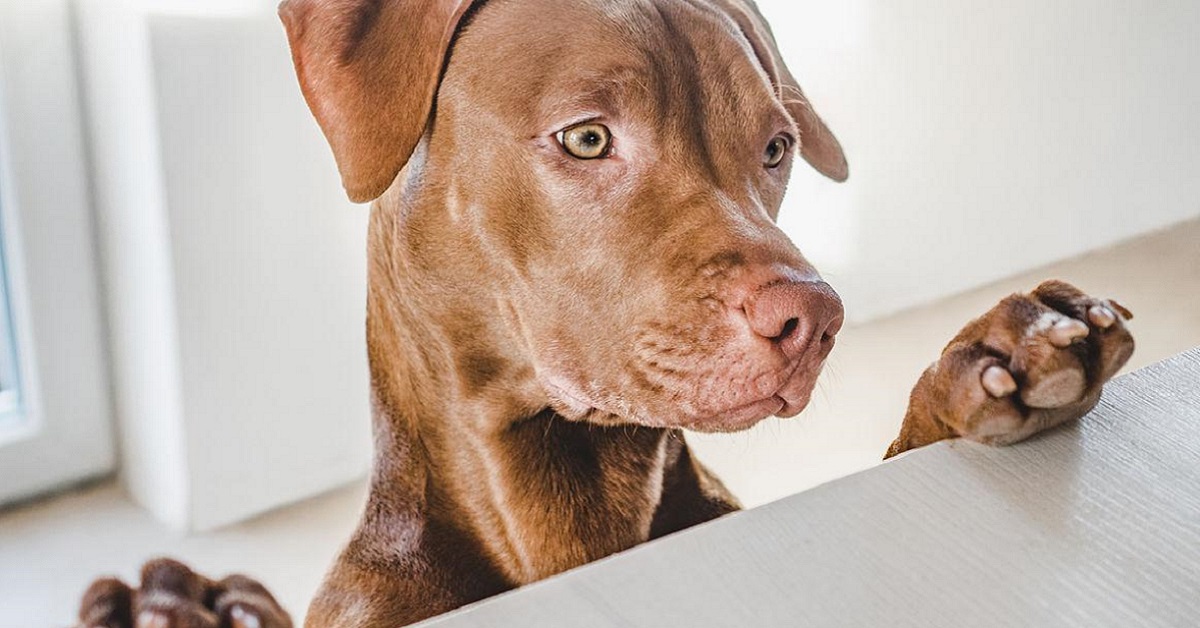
796,316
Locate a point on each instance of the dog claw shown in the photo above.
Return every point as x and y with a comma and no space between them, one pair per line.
1067,331
1102,317
151,619
998,382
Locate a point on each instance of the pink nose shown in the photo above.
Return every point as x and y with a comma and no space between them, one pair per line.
798,316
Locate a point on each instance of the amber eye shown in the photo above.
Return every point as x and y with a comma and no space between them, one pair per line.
776,151
586,141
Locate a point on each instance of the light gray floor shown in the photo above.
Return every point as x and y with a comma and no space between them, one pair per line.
49,551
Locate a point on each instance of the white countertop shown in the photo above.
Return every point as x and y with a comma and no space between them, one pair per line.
1094,524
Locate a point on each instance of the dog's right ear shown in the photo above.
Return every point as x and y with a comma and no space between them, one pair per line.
369,70
818,146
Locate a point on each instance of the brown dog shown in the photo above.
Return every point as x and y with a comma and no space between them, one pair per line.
573,258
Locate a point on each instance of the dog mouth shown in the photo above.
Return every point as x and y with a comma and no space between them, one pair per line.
785,400
789,401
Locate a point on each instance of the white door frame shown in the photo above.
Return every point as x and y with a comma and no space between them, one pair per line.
63,431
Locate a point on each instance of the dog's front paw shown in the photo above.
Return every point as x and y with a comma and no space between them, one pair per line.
173,596
1034,361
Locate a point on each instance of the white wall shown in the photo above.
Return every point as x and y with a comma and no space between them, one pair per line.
987,138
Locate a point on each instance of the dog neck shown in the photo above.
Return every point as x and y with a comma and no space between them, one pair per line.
464,435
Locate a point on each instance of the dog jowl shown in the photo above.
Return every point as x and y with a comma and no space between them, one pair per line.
573,258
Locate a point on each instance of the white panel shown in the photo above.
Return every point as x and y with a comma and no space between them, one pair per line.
270,272
132,225
236,267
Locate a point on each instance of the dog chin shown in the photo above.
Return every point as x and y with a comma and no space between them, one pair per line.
745,417
575,406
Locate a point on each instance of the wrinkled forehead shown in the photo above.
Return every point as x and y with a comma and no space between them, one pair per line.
549,61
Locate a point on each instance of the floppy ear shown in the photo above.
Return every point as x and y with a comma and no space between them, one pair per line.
818,146
369,70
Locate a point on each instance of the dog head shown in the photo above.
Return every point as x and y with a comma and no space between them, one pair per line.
619,163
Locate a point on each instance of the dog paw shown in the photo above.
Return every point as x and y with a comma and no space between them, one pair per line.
1034,361
171,595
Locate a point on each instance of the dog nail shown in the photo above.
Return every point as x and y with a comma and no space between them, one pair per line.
1102,317
243,619
1067,331
151,619
998,382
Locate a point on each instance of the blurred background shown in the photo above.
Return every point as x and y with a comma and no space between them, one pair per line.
182,359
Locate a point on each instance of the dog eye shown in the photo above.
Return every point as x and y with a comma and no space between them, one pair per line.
776,151
586,141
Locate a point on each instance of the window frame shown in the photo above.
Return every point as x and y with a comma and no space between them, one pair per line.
63,431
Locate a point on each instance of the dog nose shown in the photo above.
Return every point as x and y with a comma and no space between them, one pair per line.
796,315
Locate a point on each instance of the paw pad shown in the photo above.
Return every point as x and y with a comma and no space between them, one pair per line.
241,618
151,619
998,382
1066,331
1102,317
1055,389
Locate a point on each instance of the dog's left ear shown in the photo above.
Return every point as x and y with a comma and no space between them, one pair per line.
369,70
817,144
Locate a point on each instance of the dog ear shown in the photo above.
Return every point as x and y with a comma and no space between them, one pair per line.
818,146
369,70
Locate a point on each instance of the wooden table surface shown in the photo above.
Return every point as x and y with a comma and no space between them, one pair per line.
1094,524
